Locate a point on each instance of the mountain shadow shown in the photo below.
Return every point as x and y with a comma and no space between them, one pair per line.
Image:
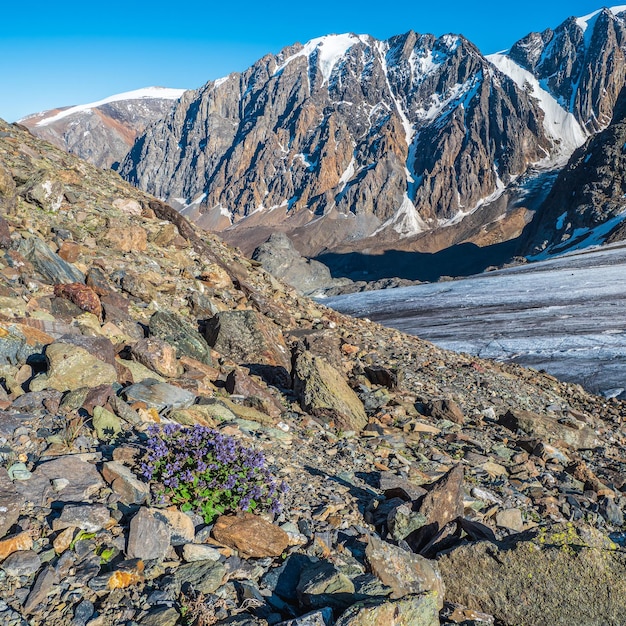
465,259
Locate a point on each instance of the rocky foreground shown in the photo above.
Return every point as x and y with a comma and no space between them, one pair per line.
425,487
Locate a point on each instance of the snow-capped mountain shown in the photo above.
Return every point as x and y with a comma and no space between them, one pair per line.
102,132
349,143
348,137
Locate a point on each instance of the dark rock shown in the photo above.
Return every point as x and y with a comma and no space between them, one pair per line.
51,267
179,333
322,584
442,504
202,577
22,563
378,375
445,409
161,616
323,617
11,503
252,340
46,580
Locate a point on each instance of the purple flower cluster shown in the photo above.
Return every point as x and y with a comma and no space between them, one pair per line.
207,472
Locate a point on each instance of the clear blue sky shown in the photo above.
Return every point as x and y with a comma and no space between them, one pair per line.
68,52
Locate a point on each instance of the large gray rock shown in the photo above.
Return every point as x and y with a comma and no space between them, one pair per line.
148,536
159,395
49,265
79,481
279,257
549,577
406,573
323,392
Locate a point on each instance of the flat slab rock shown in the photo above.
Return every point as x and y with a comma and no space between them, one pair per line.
558,577
82,480
251,535
159,395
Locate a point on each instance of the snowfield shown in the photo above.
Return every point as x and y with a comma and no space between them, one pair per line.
566,315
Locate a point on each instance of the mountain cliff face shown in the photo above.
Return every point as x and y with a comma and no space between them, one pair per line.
581,63
391,138
587,203
352,144
103,132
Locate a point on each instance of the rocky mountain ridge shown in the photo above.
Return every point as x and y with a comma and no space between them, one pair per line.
103,132
349,144
410,468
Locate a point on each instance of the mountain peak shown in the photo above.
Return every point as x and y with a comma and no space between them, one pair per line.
586,20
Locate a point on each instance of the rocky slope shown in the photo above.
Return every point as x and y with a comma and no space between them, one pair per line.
409,468
103,132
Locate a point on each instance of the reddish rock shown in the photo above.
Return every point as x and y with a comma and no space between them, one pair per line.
84,297
69,251
127,239
158,356
251,535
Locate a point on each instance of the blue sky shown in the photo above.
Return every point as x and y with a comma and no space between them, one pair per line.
63,53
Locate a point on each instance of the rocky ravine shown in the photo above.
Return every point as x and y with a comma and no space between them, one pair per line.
425,487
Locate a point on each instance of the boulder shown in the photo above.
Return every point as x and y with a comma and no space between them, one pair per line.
71,367
572,432
126,239
84,297
558,576
148,536
159,395
49,265
157,355
442,504
178,332
413,610
323,392
406,573
250,339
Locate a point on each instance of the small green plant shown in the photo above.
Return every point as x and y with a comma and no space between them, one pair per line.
207,472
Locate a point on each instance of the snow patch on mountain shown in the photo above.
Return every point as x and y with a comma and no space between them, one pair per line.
163,93
406,221
329,50
560,125
584,22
